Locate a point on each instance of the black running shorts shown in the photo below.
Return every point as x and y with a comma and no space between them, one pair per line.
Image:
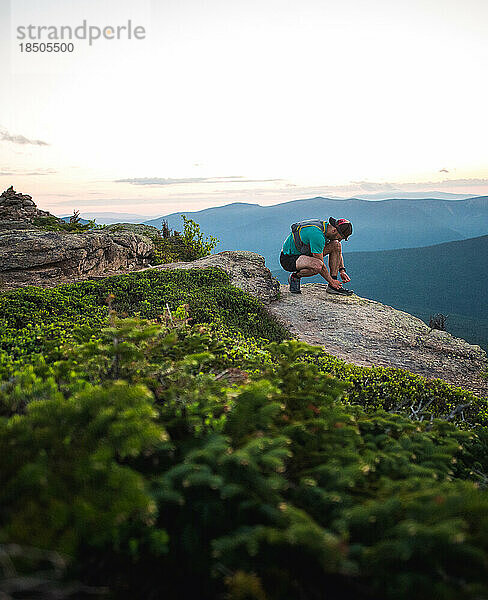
289,261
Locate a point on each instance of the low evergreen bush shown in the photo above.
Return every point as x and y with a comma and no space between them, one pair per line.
137,456
171,245
399,390
51,223
33,319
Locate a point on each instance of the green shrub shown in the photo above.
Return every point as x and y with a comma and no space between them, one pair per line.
399,390
35,319
273,482
172,246
62,480
194,239
73,226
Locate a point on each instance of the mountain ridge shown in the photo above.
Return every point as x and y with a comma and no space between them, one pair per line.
382,225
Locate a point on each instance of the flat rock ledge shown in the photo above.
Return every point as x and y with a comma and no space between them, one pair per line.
368,333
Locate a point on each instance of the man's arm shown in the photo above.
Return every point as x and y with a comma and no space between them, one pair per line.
325,272
344,276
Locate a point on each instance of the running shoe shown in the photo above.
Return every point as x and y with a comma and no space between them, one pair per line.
294,284
340,292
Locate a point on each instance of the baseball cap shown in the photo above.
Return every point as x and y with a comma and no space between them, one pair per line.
343,226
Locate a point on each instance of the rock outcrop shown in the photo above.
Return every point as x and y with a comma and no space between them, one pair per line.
18,211
366,332
30,255
140,229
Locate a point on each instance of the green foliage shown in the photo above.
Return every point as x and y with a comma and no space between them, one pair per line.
269,487
35,319
171,246
194,239
399,390
245,586
73,226
62,480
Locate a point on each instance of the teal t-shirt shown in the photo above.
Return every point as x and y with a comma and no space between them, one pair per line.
309,235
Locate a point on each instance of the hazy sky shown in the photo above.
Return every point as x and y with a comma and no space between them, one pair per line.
244,100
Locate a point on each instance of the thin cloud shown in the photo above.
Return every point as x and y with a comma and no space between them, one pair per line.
292,191
161,181
5,136
53,195
20,173
358,188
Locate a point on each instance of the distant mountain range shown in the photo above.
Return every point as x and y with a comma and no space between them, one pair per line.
108,218
379,225
450,278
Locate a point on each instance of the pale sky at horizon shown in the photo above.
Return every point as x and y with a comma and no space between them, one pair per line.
259,101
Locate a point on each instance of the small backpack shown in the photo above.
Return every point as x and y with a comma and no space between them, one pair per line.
302,247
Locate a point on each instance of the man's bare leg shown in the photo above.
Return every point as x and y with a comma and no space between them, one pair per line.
306,272
307,266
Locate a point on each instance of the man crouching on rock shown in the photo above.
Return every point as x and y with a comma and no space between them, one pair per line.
304,249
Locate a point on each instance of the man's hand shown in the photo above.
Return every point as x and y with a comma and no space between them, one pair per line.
335,284
345,277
